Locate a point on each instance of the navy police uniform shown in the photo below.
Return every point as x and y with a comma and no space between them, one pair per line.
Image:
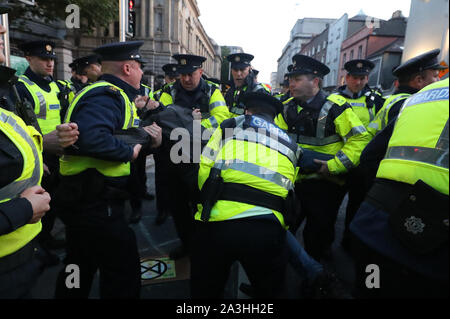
98,236
385,119
20,268
232,97
57,99
365,103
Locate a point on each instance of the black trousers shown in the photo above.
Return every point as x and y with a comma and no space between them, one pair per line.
137,183
16,283
185,196
98,238
320,201
357,190
259,244
162,184
396,280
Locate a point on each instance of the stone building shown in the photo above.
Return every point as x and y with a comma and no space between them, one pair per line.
167,27
301,33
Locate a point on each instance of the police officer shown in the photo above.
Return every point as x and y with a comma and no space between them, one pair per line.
244,80
94,178
170,75
285,94
205,99
161,167
413,75
241,217
37,86
193,92
365,102
90,67
23,202
402,226
328,126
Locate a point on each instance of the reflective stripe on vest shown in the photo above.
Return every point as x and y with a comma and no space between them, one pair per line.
257,171
72,165
268,141
31,175
383,117
419,146
46,104
18,186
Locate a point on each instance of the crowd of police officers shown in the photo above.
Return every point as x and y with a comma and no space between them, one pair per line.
76,149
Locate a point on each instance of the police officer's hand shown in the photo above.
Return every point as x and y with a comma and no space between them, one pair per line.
136,150
67,134
40,202
156,133
196,114
323,168
145,101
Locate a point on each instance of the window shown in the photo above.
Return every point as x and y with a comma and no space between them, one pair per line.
351,55
318,48
324,44
360,52
344,59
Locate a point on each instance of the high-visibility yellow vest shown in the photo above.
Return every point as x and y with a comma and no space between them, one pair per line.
71,87
239,109
217,108
148,91
46,104
346,144
382,117
72,165
29,142
359,106
252,158
419,146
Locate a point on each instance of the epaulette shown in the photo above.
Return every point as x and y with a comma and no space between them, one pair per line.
112,90
337,99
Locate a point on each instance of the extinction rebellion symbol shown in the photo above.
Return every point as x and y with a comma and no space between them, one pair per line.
152,269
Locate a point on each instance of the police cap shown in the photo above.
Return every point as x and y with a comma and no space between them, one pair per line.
188,63
303,64
425,61
170,70
261,100
240,60
359,67
121,51
40,48
285,80
83,62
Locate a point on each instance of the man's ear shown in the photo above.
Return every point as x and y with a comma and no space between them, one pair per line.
126,68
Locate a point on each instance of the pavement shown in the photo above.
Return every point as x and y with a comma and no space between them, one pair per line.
158,240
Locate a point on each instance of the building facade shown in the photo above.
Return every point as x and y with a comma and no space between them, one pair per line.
368,41
167,27
301,33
